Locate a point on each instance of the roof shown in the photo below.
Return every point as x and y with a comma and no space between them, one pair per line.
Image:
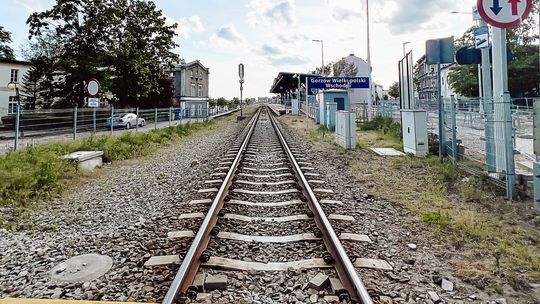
196,62
285,82
9,61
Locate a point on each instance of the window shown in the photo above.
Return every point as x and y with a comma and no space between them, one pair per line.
14,75
12,105
199,92
193,89
191,74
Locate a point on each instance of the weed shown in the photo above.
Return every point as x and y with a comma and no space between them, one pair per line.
437,218
40,173
384,124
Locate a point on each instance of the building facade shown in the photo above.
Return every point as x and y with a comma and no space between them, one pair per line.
425,76
11,71
360,96
191,85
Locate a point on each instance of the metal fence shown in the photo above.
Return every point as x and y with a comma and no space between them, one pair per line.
44,125
471,132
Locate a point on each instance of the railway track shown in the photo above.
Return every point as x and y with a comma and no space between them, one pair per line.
268,219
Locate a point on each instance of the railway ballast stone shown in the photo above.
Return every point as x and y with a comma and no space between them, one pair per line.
319,282
216,282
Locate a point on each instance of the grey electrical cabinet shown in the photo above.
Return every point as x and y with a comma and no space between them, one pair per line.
415,136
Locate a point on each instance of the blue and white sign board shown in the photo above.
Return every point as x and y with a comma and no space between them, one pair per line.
481,37
93,102
339,83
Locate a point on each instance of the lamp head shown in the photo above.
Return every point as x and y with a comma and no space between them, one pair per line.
12,85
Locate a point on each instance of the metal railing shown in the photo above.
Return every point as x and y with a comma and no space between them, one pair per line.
35,127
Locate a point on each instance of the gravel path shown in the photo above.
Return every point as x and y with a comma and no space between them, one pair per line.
125,214
419,262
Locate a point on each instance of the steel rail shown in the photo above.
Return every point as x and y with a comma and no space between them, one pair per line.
190,265
344,267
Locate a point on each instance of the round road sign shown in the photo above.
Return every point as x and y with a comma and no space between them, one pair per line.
504,13
93,87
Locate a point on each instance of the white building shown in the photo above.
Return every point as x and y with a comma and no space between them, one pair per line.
446,88
11,71
360,96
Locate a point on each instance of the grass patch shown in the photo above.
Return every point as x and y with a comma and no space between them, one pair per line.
37,174
380,132
386,125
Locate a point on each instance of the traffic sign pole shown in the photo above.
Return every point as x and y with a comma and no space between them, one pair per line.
487,101
502,15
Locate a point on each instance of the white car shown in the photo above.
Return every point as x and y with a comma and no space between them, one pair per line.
126,120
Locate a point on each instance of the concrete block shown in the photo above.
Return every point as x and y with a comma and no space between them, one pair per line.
216,282
88,160
319,282
335,286
198,282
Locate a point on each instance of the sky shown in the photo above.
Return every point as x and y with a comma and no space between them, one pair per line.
270,36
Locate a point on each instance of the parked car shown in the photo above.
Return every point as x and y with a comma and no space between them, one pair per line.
126,120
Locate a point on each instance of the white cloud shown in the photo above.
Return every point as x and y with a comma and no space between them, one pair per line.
186,25
228,34
291,38
346,10
279,57
268,12
413,15
33,6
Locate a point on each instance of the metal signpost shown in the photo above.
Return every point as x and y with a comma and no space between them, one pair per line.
502,15
93,87
241,74
440,51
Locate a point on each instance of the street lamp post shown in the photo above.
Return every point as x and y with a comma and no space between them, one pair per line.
13,86
404,44
370,96
322,55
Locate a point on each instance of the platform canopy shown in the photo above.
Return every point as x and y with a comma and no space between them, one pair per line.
285,82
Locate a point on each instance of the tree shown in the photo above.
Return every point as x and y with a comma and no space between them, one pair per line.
344,69
5,39
222,102
235,101
327,70
123,43
212,102
393,91
523,70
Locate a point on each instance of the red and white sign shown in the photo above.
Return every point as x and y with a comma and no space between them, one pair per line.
504,13
93,87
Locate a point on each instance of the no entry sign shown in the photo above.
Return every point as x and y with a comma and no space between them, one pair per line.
504,13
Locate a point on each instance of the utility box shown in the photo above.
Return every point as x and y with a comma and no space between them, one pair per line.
415,135
295,105
331,101
346,129
331,110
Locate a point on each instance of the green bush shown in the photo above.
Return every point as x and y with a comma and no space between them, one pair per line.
384,124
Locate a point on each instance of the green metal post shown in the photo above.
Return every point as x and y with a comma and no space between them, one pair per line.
510,165
94,120
75,123
137,122
112,121
454,130
17,121
155,118
170,116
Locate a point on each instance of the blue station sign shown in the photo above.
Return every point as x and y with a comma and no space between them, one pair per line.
342,83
